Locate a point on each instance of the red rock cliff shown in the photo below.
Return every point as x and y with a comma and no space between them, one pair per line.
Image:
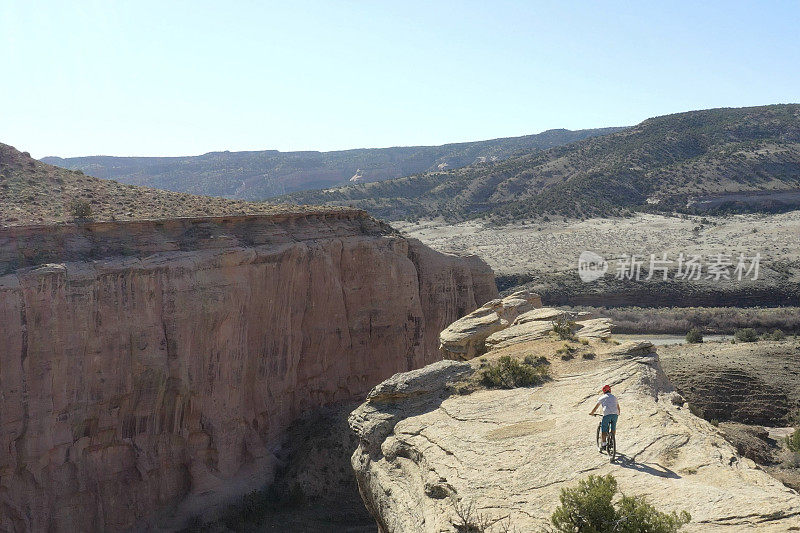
149,365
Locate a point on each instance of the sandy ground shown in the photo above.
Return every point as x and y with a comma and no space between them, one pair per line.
554,246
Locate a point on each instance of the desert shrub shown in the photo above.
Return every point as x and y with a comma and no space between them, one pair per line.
80,209
746,335
793,441
585,342
508,373
776,335
535,361
468,519
694,336
591,508
563,328
710,320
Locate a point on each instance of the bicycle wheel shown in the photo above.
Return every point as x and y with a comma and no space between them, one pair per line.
612,447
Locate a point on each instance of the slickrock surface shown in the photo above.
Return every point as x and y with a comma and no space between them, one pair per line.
509,452
153,365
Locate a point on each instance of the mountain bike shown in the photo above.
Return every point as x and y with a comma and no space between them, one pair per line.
611,441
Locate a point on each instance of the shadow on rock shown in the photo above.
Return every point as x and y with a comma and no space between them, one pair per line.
654,469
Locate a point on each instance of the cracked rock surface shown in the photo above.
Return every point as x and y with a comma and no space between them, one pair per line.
510,452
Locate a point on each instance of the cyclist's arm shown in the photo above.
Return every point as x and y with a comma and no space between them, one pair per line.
618,409
594,408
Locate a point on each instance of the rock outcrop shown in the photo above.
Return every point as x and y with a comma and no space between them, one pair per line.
516,318
465,338
152,366
508,453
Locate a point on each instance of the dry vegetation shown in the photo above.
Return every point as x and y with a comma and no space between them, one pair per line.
32,192
547,247
709,320
543,255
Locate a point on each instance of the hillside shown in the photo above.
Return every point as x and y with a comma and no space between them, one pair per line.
715,160
32,192
264,174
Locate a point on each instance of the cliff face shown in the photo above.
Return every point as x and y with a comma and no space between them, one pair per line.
154,365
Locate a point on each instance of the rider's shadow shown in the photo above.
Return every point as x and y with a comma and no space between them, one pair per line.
654,469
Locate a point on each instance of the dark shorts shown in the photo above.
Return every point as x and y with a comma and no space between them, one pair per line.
609,422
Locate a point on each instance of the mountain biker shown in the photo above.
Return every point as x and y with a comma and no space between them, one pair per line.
610,406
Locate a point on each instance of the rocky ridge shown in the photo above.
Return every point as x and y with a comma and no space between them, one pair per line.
424,449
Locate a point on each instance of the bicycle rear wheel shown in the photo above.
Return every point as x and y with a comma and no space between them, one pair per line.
612,447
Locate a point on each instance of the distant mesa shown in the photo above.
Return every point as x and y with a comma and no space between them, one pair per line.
241,175
716,161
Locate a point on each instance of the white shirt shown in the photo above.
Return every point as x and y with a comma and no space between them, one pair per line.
609,404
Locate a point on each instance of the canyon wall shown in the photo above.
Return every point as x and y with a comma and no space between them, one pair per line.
148,369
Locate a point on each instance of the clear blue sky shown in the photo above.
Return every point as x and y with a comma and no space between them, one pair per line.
182,78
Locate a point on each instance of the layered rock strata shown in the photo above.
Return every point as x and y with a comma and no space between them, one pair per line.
152,366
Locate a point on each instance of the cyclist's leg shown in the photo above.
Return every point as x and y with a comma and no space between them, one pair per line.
604,427
613,425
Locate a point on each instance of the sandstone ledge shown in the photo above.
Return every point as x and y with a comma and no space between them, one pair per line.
509,452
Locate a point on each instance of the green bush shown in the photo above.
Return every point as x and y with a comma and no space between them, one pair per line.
793,441
508,372
536,361
776,335
746,335
563,328
591,508
695,336
80,209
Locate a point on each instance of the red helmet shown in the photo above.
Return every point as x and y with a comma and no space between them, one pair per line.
606,388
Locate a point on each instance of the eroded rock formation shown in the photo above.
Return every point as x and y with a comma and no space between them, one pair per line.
153,365
465,338
508,453
511,320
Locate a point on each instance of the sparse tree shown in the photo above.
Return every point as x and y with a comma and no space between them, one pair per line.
80,209
694,336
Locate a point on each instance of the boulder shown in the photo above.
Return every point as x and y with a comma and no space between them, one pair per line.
419,382
525,332
632,349
544,313
594,328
